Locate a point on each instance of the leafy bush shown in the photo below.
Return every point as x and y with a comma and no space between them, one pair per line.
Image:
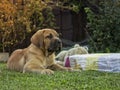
104,28
16,24
7,14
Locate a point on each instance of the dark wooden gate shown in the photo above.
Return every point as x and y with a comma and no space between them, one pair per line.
71,25
64,22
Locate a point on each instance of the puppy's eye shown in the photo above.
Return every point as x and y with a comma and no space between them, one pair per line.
49,36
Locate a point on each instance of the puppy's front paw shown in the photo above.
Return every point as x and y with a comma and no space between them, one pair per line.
47,71
69,69
72,70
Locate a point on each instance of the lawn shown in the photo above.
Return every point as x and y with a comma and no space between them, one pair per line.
84,80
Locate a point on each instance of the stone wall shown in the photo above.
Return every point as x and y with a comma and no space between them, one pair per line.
4,57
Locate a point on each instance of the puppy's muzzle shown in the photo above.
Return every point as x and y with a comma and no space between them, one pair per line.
55,45
58,45
58,42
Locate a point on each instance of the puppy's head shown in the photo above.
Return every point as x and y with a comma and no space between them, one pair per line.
47,39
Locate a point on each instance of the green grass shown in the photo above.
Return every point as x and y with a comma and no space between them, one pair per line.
85,80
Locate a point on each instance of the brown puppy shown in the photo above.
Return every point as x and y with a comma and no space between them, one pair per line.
39,56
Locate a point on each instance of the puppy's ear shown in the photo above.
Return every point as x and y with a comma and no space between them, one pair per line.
37,38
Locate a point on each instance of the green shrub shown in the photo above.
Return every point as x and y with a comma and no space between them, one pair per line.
104,28
16,26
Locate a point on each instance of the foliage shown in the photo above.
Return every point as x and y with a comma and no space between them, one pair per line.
73,5
34,12
43,19
104,28
16,24
85,80
7,16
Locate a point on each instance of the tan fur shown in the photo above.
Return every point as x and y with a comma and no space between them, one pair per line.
36,58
